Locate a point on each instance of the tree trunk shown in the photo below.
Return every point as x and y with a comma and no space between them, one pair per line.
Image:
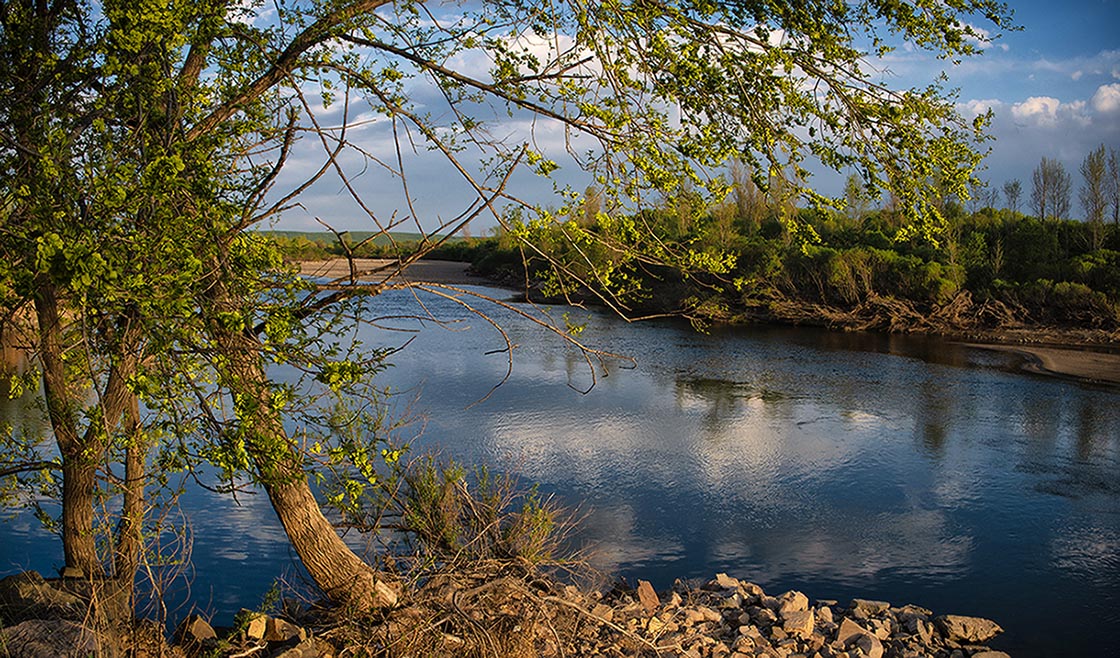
130,530
78,465
343,576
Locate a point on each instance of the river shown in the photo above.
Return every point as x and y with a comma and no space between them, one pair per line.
904,469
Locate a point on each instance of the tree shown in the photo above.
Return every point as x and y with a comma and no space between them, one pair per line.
1050,191
1013,192
857,202
1094,192
141,142
979,196
1113,184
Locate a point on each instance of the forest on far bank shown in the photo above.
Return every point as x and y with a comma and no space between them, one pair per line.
993,266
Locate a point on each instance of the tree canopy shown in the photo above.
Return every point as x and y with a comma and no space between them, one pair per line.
141,141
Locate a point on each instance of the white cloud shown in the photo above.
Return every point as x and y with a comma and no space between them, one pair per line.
1039,108
978,106
1107,99
1103,63
1046,111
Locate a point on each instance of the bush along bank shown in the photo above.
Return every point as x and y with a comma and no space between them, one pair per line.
520,615
990,271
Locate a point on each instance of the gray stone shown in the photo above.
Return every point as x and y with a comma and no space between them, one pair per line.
604,612
763,615
848,630
870,645
792,602
958,628
853,636
700,615
824,614
863,609
799,623
195,630
28,594
280,630
49,638
256,625
648,597
309,648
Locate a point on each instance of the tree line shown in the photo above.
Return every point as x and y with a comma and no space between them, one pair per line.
855,264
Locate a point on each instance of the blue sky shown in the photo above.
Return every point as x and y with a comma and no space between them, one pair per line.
1054,88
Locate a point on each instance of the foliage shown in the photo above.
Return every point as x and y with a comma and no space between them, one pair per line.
142,141
461,516
1054,271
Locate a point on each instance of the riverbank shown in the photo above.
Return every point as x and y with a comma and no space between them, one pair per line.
375,270
1086,355
515,614
1078,363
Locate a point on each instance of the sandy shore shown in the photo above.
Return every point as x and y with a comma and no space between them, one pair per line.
381,269
1066,362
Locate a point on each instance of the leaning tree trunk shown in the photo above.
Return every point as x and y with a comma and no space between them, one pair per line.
342,575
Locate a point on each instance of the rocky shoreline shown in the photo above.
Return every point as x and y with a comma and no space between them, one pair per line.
505,616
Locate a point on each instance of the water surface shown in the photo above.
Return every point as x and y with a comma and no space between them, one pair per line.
843,465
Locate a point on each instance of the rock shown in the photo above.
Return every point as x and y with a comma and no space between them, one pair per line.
309,648
647,597
724,581
848,629
922,628
751,589
26,595
990,654
280,630
824,614
862,609
799,623
49,638
957,628
792,602
255,625
195,629
852,635
879,628
604,612
908,612
870,645
763,616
